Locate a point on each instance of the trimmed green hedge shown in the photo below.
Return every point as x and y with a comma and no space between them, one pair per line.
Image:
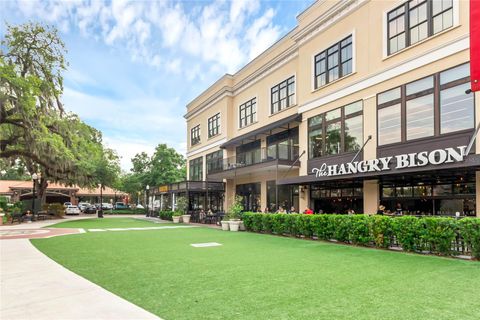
437,235
166,215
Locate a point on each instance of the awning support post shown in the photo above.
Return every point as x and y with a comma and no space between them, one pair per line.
472,140
361,149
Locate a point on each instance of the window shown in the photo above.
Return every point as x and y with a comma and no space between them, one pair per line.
336,131
456,107
283,145
214,125
433,105
248,113
195,135
196,169
334,63
416,20
214,161
283,95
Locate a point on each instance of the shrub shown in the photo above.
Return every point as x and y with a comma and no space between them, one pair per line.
413,234
408,231
305,224
381,228
278,225
342,226
360,229
165,215
438,234
469,228
57,209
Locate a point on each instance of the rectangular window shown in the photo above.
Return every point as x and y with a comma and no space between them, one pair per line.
283,95
214,161
431,106
334,63
336,131
214,125
196,169
416,20
248,113
195,135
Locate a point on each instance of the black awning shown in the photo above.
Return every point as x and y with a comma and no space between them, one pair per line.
472,162
263,130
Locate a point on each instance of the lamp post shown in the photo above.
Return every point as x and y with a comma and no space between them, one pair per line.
148,208
34,179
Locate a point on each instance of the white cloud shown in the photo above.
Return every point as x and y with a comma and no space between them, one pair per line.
227,33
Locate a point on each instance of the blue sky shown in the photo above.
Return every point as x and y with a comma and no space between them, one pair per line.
133,66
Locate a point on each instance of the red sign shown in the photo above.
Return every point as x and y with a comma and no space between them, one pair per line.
475,44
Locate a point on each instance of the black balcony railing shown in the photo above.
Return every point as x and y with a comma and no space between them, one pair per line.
261,155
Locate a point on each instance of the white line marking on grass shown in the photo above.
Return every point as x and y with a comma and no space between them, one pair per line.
141,229
205,245
81,230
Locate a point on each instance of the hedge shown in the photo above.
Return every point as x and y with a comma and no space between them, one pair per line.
165,215
437,235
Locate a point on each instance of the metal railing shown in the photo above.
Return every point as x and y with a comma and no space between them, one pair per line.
260,155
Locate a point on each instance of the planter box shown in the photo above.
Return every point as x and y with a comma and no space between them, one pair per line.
225,225
242,226
176,219
186,218
234,225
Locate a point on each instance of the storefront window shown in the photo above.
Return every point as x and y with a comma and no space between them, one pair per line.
420,117
422,191
336,131
442,189
388,192
287,197
464,188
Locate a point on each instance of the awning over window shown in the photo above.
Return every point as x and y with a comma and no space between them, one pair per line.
252,135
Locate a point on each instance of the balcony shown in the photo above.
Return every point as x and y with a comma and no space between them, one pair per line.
277,157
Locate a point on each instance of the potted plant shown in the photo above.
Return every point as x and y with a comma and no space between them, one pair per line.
234,214
182,207
176,216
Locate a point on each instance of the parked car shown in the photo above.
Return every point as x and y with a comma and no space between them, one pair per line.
107,206
90,209
139,206
71,209
66,204
83,205
121,205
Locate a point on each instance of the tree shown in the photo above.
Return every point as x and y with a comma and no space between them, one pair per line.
13,170
34,127
106,172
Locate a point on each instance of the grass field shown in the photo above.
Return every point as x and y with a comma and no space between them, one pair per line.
254,276
107,223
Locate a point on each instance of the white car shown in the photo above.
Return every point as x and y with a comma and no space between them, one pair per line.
139,206
107,206
66,204
83,205
72,210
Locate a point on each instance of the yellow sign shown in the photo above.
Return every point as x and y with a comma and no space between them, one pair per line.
163,189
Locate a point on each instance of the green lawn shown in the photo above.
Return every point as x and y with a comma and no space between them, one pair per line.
107,223
254,276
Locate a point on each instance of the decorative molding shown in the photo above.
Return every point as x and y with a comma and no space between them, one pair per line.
208,146
436,54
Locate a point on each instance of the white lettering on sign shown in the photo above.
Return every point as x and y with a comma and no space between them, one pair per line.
409,160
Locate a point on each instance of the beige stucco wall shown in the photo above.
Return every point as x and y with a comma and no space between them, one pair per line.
294,54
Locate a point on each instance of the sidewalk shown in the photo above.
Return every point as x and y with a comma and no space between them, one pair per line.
35,287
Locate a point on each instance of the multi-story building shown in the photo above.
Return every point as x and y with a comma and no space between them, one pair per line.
362,103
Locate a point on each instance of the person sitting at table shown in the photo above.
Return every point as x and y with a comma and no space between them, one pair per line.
201,216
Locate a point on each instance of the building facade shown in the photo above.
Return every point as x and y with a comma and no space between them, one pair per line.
363,103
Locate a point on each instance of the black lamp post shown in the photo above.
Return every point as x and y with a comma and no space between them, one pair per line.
148,208
34,179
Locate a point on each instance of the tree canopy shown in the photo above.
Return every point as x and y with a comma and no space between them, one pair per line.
35,129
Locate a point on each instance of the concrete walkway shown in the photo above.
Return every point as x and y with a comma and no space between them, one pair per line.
32,286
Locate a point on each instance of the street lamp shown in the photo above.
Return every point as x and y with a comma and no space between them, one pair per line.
34,179
148,208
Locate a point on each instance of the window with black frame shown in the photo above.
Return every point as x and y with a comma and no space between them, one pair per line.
334,62
196,169
283,145
432,106
214,161
417,20
249,153
248,113
214,125
195,135
283,95
337,131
